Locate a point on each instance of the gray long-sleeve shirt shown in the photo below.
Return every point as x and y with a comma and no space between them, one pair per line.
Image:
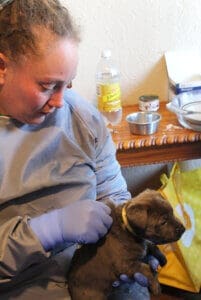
69,157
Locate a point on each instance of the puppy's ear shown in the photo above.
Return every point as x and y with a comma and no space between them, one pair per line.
137,217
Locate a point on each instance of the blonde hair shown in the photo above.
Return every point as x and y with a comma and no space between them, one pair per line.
19,18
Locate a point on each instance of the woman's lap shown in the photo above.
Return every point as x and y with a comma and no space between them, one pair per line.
129,291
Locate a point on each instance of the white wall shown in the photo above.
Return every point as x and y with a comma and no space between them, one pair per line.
138,32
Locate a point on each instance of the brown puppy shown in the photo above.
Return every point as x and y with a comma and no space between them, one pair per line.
138,225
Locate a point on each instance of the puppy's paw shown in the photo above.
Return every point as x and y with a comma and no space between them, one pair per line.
162,259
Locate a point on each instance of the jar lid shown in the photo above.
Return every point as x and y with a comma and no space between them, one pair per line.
147,98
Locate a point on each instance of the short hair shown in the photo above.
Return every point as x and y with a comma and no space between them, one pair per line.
18,18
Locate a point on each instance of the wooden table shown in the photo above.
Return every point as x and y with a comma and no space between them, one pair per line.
171,142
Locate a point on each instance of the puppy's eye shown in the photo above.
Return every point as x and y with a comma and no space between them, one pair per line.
164,222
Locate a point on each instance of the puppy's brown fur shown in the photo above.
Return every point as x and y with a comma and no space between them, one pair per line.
96,266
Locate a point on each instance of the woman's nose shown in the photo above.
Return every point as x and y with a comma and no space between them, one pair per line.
56,99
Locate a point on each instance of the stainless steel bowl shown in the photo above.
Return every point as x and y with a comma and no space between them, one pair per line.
192,112
187,107
143,122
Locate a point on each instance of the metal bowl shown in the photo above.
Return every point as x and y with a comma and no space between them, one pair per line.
185,103
143,122
193,112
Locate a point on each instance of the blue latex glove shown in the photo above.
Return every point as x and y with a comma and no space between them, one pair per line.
138,277
79,222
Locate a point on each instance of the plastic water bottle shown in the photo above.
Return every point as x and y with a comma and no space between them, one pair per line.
108,89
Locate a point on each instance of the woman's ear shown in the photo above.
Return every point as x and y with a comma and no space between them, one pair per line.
3,68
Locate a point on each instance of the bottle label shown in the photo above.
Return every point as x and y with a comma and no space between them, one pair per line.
109,97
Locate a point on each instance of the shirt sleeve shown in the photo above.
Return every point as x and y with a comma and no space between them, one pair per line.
110,181
19,248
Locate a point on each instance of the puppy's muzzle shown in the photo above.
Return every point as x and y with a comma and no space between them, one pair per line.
179,229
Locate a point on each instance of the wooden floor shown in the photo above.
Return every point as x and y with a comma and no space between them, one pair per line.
169,293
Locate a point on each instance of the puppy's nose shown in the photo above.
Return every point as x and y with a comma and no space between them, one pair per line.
180,229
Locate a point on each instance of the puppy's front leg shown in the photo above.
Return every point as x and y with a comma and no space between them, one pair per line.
144,268
152,277
155,251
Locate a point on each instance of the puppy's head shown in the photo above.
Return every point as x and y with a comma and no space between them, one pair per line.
151,217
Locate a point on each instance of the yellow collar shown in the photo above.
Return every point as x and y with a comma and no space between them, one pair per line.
125,220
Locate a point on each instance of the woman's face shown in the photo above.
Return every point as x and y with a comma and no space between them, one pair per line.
34,87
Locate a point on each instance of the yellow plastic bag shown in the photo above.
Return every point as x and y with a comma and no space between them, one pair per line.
183,191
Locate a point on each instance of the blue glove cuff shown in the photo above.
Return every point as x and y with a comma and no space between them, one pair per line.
46,228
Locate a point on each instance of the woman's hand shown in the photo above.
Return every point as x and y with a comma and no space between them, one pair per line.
80,222
139,277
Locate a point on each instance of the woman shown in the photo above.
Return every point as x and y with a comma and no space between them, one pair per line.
56,155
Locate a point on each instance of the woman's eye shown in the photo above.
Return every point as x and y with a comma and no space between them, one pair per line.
48,86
